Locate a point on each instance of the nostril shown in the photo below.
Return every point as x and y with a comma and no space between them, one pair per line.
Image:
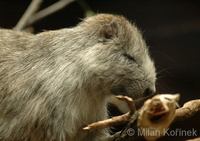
146,92
149,91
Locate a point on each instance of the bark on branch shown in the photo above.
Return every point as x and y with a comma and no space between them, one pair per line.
188,110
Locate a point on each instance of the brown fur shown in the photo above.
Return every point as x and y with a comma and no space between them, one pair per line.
54,83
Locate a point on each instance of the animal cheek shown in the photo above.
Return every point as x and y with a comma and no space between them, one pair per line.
119,90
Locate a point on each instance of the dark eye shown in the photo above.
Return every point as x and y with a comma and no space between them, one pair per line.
129,57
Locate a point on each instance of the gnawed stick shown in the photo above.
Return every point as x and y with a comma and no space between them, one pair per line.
157,114
118,120
189,109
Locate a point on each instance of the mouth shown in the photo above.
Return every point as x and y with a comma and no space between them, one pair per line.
139,98
136,95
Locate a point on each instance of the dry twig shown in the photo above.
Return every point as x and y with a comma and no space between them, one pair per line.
33,7
49,10
159,115
30,16
87,10
190,109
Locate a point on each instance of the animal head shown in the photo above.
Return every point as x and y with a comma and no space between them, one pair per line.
119,57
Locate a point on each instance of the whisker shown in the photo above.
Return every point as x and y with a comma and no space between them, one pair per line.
164,70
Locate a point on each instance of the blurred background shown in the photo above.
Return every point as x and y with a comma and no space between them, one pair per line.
171,29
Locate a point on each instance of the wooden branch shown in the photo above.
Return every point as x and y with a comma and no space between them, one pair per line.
49,10
118,120
158,112
188,110
30,16
33,7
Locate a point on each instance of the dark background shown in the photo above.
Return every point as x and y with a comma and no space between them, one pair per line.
171,29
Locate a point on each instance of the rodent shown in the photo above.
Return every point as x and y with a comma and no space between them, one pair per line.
54,83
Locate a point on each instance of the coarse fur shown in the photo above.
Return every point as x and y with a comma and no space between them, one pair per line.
54,83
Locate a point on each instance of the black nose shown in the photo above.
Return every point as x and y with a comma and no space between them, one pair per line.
149,91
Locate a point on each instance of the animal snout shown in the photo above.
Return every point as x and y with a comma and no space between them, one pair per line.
149,91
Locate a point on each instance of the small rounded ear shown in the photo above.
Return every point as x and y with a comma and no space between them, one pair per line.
108,31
